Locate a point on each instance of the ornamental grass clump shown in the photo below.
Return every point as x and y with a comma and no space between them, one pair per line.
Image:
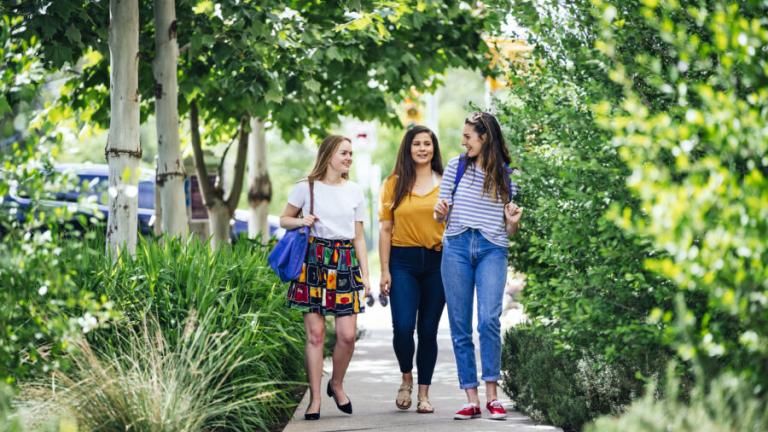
143,383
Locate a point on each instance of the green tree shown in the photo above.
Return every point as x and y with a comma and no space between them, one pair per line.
298,64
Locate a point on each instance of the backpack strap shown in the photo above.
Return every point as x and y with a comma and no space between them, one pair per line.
513,188
462,168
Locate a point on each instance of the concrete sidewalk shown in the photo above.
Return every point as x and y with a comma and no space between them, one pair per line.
372,382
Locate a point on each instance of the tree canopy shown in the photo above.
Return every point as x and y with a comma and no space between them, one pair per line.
301,64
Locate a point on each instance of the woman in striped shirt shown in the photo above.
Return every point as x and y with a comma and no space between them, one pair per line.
476,200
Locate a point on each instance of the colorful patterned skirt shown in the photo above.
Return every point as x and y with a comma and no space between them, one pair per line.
330,280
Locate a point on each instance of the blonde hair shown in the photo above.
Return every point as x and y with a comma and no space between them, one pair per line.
324,154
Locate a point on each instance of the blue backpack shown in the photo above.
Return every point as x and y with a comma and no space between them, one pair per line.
287,258
462,168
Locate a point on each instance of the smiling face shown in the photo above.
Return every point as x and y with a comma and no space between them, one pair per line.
422,148
341,160
472,141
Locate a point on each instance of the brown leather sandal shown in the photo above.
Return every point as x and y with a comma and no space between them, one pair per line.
403,400
424,406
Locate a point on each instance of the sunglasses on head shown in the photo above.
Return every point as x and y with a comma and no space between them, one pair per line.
479,117
475,117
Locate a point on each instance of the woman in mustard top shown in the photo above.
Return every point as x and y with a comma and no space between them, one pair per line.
410,243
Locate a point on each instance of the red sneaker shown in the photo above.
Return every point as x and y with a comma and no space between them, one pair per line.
468,411
497,410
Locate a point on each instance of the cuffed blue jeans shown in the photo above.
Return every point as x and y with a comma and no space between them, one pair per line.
469,261
417,300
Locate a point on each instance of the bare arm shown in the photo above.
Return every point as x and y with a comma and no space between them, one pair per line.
362,254
385,246
289,219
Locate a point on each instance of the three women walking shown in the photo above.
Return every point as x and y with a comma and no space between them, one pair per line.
443,239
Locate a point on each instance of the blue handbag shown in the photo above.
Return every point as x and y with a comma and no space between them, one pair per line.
287,258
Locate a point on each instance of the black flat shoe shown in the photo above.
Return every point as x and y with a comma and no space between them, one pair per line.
312,416
347,407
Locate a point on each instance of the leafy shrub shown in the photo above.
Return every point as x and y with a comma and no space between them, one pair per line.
566,387
43,307
642,146
727,405
587,292
699,168
9,422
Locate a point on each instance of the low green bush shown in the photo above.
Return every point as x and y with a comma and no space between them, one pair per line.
43,306
9,422
726,404
567,388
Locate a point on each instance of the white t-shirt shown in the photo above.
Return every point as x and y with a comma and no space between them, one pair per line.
337,208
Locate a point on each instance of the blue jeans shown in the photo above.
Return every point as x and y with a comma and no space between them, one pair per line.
416,301
469,261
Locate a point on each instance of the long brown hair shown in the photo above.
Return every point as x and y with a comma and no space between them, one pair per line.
405,167
324,154
495,155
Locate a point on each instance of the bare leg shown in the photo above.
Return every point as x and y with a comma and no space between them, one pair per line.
423,391
490,390
408,378
314,324
472,396
346,331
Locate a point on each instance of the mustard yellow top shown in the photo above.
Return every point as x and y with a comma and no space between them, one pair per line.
412,222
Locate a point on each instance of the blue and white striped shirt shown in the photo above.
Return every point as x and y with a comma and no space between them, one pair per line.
471,207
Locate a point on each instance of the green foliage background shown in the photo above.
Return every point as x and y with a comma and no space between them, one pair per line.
641,133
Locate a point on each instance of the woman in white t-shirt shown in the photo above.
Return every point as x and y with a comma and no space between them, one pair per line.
334,278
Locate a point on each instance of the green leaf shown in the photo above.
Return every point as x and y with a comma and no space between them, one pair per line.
313,85
73,34
333,53
4,106
274,95
203,7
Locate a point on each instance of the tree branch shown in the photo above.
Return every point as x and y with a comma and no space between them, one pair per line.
242,149
197,149
223,160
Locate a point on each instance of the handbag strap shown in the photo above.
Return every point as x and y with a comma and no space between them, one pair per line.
311,197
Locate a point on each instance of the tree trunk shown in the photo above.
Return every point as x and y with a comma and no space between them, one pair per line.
218,220
123,150
220,210
170,171
260,190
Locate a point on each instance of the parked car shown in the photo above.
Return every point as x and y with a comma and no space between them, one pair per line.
240,224
93,180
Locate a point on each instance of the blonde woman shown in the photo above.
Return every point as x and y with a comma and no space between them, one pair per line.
334,277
